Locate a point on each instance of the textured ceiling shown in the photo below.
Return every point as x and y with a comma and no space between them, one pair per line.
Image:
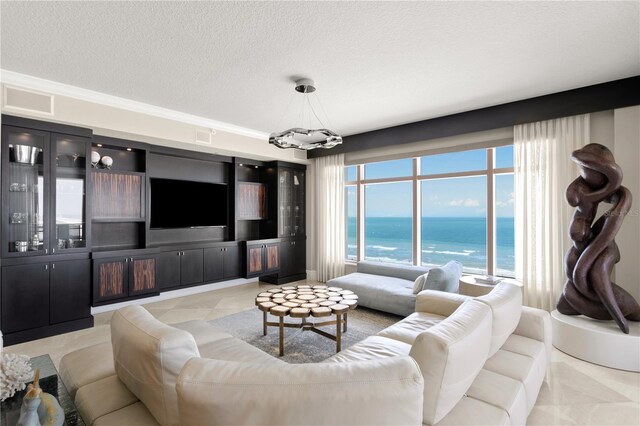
376,64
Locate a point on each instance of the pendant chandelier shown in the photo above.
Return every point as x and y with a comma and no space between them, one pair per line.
306,138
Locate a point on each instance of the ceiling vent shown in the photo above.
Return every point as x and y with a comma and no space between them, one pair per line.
28,101
205,136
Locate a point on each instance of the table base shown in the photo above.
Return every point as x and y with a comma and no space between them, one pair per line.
340,322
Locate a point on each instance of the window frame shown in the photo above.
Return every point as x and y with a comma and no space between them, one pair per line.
417,178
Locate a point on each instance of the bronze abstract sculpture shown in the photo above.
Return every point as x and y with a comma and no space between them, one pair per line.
589,262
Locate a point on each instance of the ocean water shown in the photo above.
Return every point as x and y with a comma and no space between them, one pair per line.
443,238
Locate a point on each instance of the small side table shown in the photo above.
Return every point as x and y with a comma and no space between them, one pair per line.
468,285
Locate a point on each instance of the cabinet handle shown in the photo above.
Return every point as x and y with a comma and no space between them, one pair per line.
178,253
131,259
53,250
46,251
126,259
53,266
46,267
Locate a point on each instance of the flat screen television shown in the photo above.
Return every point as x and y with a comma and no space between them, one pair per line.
187,204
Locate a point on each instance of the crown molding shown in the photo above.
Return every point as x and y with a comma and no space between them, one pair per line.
34,83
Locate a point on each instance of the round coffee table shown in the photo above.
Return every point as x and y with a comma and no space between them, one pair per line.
304,301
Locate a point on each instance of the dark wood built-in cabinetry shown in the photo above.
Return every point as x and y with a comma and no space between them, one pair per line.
222,263
77,233
42,299
124,277
263,257
46,235
181,268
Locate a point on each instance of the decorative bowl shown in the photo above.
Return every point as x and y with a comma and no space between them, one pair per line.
26,154
95,158
107,161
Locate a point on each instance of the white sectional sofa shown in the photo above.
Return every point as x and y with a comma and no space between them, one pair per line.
483,359
456,360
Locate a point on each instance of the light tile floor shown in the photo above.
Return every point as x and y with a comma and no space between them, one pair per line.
574,393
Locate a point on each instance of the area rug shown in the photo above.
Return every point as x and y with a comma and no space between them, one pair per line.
303,346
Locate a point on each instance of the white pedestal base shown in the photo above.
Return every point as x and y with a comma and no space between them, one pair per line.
599,342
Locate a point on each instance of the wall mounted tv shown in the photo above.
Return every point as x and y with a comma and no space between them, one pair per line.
187,204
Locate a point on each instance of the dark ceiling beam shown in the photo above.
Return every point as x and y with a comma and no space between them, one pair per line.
599,97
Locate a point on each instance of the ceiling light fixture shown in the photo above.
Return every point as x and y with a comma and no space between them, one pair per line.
306,138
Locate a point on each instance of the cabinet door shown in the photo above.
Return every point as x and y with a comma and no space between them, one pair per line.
25,192
110,279
232,262
298,205
69,290
25,297
272,257
192,267
142,275
299,258
286,257
285,226
214,263
168,268
69,165
255,260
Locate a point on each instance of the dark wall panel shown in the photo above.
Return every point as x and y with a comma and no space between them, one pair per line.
170,167
599,97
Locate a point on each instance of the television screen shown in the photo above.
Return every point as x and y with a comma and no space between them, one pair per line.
187,204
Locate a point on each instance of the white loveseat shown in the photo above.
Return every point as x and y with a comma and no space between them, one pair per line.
457,360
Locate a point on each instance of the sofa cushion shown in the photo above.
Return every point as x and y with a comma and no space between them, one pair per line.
450,355
148,357
473,412
418,284
505,301
502,392
102,397
373,347
382,392
131,415
395,270
86,365
528,370
444,278
388,294
409,328
232,349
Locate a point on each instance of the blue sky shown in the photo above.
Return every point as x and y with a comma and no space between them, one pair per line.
459,197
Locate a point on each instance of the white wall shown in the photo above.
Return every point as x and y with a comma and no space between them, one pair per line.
129,123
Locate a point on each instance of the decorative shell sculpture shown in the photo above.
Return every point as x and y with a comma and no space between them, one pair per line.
40,408
15,371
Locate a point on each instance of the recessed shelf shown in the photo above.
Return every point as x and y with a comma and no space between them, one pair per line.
118,172
116,220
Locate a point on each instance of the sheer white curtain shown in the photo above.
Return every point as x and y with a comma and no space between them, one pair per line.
330,216
542,171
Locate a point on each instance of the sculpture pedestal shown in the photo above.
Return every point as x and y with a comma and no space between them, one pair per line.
599,342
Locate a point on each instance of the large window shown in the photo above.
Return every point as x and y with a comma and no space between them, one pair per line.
432,209
388,223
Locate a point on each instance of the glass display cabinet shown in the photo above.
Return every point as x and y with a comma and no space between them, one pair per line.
70,164
44,192
291,203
